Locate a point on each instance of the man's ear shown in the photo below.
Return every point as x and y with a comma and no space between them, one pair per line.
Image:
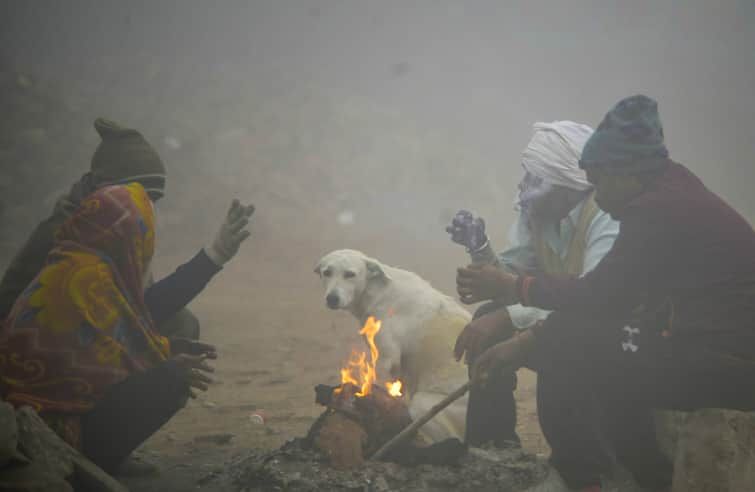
375,269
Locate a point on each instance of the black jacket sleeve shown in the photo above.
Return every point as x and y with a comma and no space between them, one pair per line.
171,294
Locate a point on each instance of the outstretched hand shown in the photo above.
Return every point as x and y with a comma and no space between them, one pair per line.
481,334
508,355
192,370
231,233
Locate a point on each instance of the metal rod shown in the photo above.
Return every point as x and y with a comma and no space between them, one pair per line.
412,428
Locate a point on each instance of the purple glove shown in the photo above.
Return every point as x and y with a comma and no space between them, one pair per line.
468,231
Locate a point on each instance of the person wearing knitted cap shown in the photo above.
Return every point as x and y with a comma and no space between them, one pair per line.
666,320
122,156
559,229
124,160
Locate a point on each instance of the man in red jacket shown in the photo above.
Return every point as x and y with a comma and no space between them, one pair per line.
665,320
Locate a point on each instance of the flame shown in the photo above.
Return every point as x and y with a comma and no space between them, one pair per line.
361,372
394,388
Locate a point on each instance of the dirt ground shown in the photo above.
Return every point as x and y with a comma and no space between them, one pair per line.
265,312
276,340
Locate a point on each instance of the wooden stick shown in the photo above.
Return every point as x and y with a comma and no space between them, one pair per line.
412,428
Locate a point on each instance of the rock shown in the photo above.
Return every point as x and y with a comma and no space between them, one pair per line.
8,433
42,445
56,457
32,477
668,426
715,451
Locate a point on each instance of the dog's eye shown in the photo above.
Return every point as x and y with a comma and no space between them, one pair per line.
327,273
349,274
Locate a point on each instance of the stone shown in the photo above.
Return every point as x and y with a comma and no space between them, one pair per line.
42,445
715,450
52,454
8,433
32,477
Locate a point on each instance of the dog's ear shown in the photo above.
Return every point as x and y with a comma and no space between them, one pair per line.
318,268
375,269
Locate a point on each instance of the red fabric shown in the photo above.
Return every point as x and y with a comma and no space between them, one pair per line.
82,326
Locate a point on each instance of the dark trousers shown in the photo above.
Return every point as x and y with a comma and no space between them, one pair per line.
129,413
182,325
491,411
595,395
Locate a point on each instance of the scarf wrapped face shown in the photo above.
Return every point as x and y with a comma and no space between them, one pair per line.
82,325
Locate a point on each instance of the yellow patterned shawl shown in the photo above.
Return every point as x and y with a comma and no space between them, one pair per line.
81,325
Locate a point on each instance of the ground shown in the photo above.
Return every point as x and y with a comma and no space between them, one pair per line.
276,340
325,172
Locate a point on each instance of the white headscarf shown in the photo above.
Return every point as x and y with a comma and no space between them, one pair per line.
554,151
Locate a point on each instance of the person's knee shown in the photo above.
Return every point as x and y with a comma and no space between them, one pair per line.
183,325
189,325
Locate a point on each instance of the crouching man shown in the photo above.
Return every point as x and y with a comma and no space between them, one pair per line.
665,320
123,156
560,229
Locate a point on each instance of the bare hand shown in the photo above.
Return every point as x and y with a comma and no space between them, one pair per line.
481,334
192,347
477,283
509,355
191,370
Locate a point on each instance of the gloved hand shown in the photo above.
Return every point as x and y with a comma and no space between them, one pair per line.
468,231
231,234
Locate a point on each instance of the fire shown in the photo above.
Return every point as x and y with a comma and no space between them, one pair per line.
394,388
361,372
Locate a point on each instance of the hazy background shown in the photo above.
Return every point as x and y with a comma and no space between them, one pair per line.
399,112
387,115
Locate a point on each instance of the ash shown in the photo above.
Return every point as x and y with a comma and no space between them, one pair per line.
295,468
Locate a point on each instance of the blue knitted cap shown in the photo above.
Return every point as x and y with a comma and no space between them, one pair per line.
628,140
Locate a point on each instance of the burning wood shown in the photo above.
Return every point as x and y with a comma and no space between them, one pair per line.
361,416
361,372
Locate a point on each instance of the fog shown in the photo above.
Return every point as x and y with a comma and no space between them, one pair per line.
348,124
398,112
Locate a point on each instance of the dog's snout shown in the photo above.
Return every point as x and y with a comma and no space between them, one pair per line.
332,300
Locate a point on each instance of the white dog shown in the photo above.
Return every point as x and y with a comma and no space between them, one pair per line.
419,329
